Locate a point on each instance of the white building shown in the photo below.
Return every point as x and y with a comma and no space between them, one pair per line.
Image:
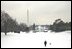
41,28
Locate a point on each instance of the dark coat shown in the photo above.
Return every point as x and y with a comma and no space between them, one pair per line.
45,43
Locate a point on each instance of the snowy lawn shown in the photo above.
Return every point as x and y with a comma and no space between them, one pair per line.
36,40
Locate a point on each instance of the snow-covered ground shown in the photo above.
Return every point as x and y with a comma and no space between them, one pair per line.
36,40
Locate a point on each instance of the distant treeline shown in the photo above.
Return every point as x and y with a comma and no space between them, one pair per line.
10,25
59,26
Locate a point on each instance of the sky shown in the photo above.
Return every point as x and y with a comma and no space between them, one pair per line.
40,12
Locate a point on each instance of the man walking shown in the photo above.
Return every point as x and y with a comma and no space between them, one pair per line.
45,43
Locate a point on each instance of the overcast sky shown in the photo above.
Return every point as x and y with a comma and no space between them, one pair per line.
40,12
